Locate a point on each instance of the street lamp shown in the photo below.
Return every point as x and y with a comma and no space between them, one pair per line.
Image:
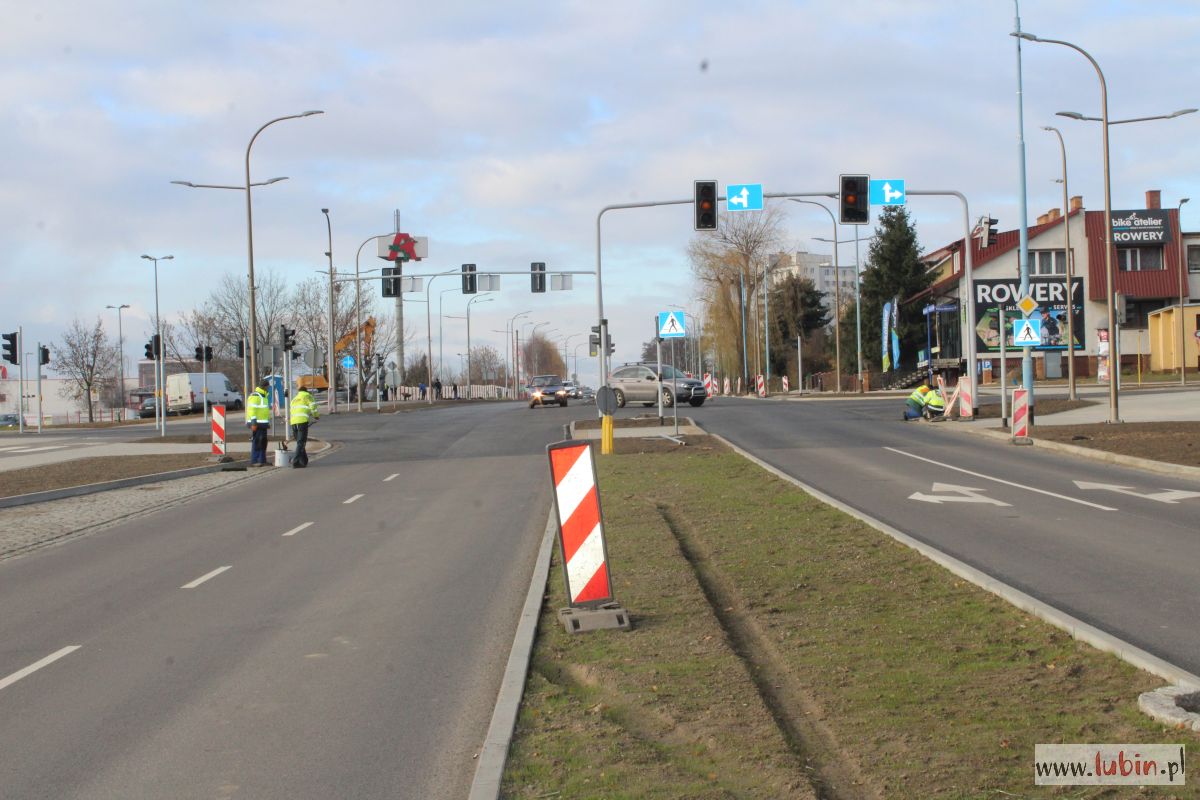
695,328
253,343
1182,271
1077,115
160,379
331,400
509,346
857,296
121,347
1069,270
837,296
479,298
1109,280
441,340
358,316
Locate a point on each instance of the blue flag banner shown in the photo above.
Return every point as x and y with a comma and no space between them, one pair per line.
887,324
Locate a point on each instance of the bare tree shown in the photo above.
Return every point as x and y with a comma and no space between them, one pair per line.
486,365
87,359
542,357
730,263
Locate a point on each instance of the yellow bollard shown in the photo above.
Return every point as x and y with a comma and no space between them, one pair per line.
606,435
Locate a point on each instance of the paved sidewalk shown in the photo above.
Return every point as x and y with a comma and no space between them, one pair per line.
1144,405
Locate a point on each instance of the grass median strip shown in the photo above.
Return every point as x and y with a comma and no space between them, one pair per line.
783,649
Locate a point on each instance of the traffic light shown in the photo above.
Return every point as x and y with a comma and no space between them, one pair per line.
207,353
706,205
288,337
468,279
389,282
241,348
44,355
594,342
199,353
537,276
853,199
10,348
989,238
150,350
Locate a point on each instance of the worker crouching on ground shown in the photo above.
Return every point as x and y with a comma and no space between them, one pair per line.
914,406
304,413
258,419
935,405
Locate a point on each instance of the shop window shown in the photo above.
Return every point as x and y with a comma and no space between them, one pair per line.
1139,259
1048,262
1193,256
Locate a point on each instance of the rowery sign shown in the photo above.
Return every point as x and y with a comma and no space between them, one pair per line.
1140,227
1050,294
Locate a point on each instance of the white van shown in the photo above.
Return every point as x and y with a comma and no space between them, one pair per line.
185,392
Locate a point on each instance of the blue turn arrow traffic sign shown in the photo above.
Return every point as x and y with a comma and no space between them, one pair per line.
888,192
744,197
348,362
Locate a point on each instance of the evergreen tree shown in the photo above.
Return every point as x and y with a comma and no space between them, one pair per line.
797,309
894,270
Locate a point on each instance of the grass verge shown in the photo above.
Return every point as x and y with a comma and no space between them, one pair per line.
783,649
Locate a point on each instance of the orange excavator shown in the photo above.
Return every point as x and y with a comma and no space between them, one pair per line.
367,329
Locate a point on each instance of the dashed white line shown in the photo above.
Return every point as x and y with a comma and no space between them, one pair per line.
204,578
351,500
297,529
1001,480
34,667
40,449
391,477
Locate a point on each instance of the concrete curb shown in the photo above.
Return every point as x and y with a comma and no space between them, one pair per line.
1149,465
1077,628
124,483
489,773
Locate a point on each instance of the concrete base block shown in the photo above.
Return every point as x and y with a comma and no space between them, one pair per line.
579,620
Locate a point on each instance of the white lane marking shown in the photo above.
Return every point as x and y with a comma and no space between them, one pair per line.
392,476
1001,480
1165,496
297,529
351,500
204,578
34,667
960,494
40,449
6,449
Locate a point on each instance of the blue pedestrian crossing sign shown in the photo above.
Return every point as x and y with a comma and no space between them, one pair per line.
1027,332
744,197
670,325
889,192
348,362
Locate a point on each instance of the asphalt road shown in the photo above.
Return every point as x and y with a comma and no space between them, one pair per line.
1126,560
339,631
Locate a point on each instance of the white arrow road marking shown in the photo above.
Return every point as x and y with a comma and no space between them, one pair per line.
1001,480
34,667
297,529
204,578
351,500
1165,496
962,494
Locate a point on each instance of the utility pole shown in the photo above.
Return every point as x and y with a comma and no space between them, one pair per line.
399,312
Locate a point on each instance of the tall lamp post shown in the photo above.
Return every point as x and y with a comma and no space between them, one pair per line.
510,346
253,337
837,293
358,314
121,347
1069,269
160,379
476,299
330,365
857,299
1109,280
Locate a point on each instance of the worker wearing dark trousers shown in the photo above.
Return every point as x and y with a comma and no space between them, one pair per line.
304,414
258,419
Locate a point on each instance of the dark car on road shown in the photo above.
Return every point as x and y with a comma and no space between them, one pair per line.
146,409
547,389
638,383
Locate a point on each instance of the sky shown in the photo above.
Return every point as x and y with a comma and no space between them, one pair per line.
500,130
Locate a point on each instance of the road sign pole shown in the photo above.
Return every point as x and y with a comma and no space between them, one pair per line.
658,348
1003,369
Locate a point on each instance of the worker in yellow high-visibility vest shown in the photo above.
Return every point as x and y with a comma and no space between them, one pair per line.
258,419
303,414
914,406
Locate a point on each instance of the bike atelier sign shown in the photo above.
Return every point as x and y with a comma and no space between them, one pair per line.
1148,226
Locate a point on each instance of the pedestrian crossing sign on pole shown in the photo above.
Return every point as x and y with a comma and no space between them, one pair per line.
1027,332
670,325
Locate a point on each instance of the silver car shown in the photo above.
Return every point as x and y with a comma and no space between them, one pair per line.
638,383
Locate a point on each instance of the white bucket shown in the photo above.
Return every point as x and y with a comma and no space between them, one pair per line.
283,458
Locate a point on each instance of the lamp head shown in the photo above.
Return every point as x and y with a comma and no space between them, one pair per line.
1184,200
1070,114
324,210
1029,37
148,258
167,258
184,183
310,113
274,180
1183,111
1049,128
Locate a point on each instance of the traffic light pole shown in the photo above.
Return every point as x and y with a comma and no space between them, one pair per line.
204,368
39,385
21,374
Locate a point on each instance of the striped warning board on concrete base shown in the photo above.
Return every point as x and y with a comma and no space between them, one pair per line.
218,430
786,388
708,384
581,540
760,386
1020,417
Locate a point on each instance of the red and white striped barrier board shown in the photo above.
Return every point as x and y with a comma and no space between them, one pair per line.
785,384
966,408
726,385
218,430
1020,414
739,387
708,384
760,386
580,524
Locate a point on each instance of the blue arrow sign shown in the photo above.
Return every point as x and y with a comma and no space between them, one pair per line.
348,362
670,325
887,192
744,197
